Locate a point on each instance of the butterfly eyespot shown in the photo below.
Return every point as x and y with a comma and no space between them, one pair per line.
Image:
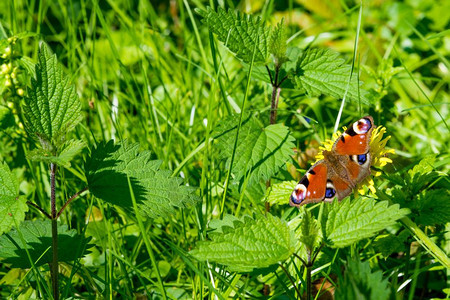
362,126
330,192
360,159
299,194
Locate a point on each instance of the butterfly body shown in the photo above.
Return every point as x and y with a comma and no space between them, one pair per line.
341,169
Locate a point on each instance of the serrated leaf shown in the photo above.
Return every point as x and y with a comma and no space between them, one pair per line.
253,243
432,207
388,244
278,43
38,240
12,206
361,283
260,151
322,71
240,33
69,150
52,107
309,233
350,221
157,193
279,193
426,165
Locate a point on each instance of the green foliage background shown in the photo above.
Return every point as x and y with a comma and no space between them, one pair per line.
153,77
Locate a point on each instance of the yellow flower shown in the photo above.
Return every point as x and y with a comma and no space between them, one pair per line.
378,152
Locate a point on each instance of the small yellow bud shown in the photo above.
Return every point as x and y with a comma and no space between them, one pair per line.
10,105
7,51
3,69
8,82
20,92
13,75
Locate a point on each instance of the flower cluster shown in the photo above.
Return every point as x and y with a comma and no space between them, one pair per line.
8,73
378,153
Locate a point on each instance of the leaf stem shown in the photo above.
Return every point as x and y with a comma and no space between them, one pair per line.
70,200
40,209
308,275
292,281
54,264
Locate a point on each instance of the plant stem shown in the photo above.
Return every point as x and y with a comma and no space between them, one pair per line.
40,209
54,264
426,242
276,90
292,281
70,200
274,104
308,276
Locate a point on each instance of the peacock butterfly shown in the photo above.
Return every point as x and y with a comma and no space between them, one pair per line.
342,168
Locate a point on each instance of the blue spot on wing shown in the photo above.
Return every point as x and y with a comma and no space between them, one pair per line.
329,193
362,158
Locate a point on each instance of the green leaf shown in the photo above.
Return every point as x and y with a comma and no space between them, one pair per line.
279,193
389,243
12,206
322,71
425,166
361,283
278,43
432,207
251,243
38,240
69,150
240,33
352,220
52,107
260,151
6,117
157,193
309,233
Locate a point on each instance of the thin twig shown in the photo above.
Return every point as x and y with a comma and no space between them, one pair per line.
70,200
301,259
270,75
292,281
317,253
39,208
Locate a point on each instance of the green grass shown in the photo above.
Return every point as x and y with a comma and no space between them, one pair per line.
150,72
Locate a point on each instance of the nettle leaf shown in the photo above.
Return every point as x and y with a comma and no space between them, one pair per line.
52,107
249,244
37,236
310,233
361,283
278,43
69,150
12,206
156,192
240,33
432,207
323,71
425,166
279,193
351,221
260,151
389,243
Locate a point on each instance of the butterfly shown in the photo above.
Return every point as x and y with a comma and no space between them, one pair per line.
346,165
